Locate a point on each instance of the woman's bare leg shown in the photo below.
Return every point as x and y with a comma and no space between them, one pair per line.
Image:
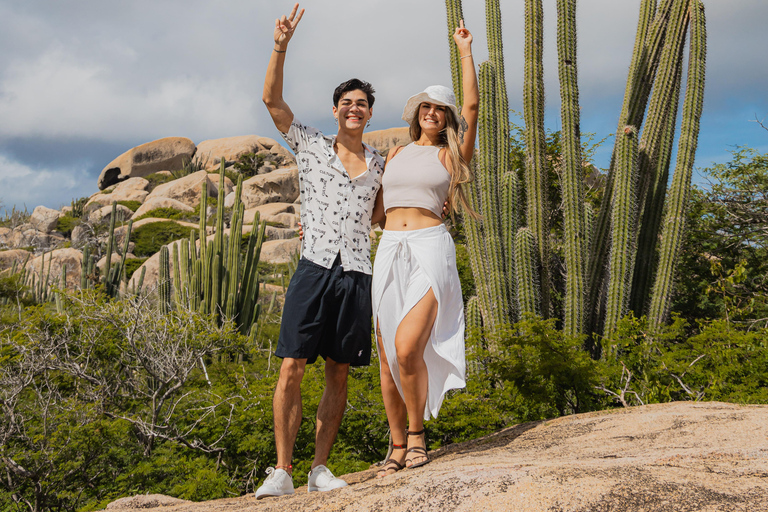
395,408
410,342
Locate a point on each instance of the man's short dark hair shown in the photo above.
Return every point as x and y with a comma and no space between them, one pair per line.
354,85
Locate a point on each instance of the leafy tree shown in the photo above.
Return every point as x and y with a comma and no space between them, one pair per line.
725,266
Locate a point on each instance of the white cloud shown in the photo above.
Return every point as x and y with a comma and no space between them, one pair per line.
24,185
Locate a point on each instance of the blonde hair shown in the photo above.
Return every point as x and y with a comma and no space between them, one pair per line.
460,171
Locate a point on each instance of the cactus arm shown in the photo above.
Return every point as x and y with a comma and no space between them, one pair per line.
675,216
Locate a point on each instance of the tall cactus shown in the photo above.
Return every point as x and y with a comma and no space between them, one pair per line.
610,256
675,217
537,211
575,236
527,281
623,215
214,279
655,149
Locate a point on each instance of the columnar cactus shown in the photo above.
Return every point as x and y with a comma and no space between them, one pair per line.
655,150
214,279
164,282
675,215
537,216
597,284
623,224
575,236
526,257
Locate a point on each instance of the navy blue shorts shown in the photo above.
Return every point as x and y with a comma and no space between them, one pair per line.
327,312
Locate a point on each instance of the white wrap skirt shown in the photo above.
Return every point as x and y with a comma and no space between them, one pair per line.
407,265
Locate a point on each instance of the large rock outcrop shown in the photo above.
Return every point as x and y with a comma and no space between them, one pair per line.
383,140
187,189
165,154
53,262
675,457
211,152
132,189
280,186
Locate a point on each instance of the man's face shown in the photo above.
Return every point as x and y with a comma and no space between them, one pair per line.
353,111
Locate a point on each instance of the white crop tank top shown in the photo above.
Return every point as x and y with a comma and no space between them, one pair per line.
415,178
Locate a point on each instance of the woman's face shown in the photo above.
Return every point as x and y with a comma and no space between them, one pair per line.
431,116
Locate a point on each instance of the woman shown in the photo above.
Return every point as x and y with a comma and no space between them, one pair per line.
417,303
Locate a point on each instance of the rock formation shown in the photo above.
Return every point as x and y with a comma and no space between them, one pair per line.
165,154
682,456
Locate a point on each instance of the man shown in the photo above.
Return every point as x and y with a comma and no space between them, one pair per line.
327,309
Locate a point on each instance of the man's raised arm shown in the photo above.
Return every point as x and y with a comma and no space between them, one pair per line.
273,83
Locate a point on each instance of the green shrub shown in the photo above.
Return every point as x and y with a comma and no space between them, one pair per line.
131,205
168,213
66,224
151,237
157,179
132,265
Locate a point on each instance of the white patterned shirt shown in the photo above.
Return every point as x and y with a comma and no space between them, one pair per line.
335,210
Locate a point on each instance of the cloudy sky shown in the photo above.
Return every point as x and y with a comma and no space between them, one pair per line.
85,80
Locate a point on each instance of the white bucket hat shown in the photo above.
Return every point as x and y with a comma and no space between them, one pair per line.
437,94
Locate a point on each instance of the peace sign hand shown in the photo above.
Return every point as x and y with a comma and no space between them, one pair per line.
284,27
463,38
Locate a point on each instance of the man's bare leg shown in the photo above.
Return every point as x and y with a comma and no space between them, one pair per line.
286,409
331,410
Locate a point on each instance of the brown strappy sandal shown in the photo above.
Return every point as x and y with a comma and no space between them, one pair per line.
391,464
418,450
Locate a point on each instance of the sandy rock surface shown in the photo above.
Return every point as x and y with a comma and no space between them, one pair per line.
681,457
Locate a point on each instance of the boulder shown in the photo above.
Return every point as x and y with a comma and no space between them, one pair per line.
80,235
104,214
155,202
187,189
102,263
230,149
5,236
281,186
26,235
281,156
19,256
72,258
383,140
132,189
288,220
164,154
279,251
44,219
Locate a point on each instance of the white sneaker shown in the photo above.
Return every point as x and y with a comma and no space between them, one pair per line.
321,479
278,483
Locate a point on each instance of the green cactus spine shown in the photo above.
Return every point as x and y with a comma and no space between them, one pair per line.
537,206
655,147
575,237
455,14
675,215
164,284
623,220
526,257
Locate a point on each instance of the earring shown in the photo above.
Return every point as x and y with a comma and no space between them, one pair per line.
336,120
369,124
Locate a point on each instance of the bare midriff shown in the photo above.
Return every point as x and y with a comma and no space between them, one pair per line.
408,219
